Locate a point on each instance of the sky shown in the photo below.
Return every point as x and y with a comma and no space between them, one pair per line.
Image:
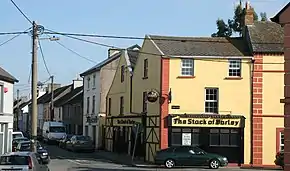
104,17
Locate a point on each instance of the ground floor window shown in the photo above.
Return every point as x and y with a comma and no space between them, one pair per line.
86,130
281,140
224,137
185,136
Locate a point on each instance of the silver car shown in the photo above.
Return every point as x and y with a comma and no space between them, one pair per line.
21,161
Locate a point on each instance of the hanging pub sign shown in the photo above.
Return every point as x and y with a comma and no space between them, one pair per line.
152,96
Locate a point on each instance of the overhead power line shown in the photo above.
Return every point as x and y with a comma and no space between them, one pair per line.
3,43
74,52
43,59
13,33
25,16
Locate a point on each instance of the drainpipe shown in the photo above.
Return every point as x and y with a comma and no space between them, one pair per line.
131,91
252,110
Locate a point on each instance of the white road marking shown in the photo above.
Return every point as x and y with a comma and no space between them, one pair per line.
75,162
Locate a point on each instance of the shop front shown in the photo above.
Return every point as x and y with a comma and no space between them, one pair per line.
220,134
123,133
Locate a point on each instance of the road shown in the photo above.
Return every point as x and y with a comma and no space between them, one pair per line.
62,160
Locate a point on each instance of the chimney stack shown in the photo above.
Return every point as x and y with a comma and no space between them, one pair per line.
249,14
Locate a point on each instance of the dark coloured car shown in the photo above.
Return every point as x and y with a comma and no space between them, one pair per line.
16,141
280,159
25,146
62,142
189,156
80,143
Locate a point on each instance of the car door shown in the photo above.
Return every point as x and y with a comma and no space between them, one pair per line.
38,165
182,156
198,157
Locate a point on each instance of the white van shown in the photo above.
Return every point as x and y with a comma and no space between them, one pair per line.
17,134
53,131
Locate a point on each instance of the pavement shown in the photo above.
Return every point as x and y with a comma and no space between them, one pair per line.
63,160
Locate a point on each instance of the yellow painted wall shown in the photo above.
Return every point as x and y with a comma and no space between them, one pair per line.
234,95
153,82
269,138
273,91
119,89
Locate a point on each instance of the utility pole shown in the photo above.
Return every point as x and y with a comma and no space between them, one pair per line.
52,97
34,87
18,111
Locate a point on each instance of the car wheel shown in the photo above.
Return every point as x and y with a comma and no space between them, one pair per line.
169,163
214,164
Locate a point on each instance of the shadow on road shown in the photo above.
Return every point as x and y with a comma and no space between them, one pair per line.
101,169
58,153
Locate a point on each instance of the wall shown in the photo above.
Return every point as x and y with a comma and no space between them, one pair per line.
58,114
141,85
40,116
119,89
107,74
273,110
234,95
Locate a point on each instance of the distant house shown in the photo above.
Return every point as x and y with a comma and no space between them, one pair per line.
6,110
97,82
69,111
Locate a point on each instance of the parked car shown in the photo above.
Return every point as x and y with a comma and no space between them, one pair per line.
17,134
80,142
62,142
43,153
189,156
21,161
279,161
16,141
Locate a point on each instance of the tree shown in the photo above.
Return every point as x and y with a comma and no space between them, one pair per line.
263,16
235,24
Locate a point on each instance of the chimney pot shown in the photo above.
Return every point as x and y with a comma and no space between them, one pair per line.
249,14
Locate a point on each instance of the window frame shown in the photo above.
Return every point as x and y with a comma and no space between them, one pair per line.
238,69
93,104
122,73
94,81
219,134
280,140
187,67
1,98
145,104
88,83
121,105
145,68
88,105
211,101
109,106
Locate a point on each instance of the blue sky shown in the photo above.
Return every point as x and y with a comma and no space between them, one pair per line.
107,17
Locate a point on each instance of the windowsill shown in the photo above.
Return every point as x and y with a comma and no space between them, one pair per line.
233,78
185,77
144,78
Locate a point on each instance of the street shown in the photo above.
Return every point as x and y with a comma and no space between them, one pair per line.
62,160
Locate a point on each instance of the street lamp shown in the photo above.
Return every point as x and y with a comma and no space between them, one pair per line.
53,38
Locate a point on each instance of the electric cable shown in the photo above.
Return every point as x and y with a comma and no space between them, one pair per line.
25,16
7,41
43,59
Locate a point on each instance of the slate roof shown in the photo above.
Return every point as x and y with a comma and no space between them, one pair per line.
106,61
5,76
201,46
61,101
78,98
133,56
47,96
266,37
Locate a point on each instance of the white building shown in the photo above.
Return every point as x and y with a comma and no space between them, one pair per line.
97,82
6,110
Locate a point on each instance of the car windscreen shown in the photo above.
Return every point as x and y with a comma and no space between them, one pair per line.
56,129
83,138
26,146
14,160
20,139
17,135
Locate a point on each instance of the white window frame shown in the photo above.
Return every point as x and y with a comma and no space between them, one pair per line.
94,81
88,82
1,98
216,101
280,140
187,67
237,67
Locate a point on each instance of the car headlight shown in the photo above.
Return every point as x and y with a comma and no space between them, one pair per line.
225,159
44,154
